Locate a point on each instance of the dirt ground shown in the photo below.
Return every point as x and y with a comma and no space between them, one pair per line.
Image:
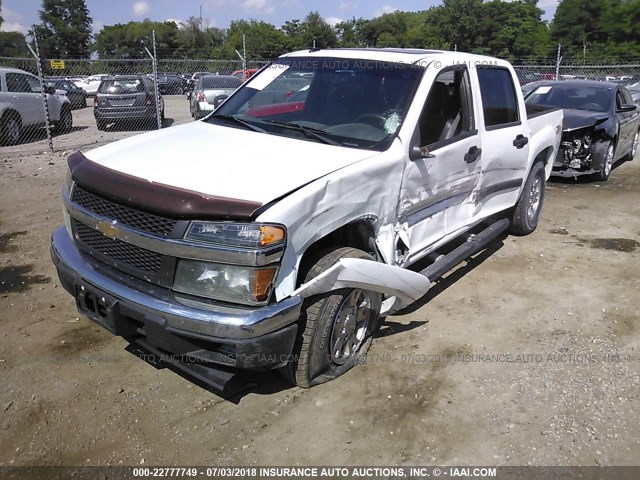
529,354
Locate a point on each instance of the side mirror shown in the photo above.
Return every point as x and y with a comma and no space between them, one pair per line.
419,153
627,108
219,99
49,89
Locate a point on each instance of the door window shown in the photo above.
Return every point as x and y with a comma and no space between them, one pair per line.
19,82
499,100
448,111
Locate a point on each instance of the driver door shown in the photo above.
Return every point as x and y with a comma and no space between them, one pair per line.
437,185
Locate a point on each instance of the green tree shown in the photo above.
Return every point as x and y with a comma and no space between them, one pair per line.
263,40
512,30
458,23
64,30
129,40
13,44
350,33
293,31
197,42
578,25
314,31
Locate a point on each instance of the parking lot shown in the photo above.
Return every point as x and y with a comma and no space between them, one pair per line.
85,134
528,354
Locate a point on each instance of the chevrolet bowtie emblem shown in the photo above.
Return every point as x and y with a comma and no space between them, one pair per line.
109,229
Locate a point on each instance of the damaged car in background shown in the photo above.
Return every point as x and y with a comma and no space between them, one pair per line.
601,125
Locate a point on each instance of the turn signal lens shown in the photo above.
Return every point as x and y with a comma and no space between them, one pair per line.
271,235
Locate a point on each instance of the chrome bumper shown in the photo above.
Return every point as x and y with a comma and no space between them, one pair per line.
225,323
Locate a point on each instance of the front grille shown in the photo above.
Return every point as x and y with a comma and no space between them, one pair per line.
130,255
126,215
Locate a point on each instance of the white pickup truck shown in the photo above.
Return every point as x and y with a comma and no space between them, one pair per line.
21,105
280,230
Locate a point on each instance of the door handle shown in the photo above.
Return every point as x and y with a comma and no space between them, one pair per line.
473,154
520,141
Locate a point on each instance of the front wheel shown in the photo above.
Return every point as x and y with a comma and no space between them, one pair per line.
607,164
336,328
10,129
526,213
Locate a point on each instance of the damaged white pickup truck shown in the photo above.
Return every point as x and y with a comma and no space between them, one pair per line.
278,231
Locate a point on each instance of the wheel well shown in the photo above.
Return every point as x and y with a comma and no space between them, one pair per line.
544,156
358,234
12,113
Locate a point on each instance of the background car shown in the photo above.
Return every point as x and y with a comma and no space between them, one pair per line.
126,98
21,105
76,95
171,84
191,83
210,91
248,73
91,84
601,125
634,90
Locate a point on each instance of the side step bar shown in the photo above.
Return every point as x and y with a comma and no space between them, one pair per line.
473,245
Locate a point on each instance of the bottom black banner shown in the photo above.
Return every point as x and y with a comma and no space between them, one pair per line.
336,472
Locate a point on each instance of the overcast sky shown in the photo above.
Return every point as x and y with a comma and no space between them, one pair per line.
19,15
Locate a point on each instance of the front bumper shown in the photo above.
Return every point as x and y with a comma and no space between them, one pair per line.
259,338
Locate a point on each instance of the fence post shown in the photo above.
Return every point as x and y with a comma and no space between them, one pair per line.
558,60
45,103
155,79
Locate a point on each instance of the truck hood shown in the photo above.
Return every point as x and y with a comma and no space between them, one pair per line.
576,119
225,161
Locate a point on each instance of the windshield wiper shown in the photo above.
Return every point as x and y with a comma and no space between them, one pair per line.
308,131
239,121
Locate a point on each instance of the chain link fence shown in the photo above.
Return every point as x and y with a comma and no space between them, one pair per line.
97,101
93,102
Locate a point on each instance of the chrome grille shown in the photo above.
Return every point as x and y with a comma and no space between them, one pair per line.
130,255
147,222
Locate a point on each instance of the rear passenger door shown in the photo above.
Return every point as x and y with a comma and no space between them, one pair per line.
505,137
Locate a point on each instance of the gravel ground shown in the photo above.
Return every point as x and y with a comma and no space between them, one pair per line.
528,354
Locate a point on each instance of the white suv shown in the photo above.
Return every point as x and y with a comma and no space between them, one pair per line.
91,84
21,105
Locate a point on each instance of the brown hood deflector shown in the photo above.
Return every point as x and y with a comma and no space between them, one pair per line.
154,197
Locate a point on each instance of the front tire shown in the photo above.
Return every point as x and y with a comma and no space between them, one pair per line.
10,129
336,328
527,211
607,164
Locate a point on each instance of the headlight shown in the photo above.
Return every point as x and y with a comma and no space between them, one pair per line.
251,235
228,283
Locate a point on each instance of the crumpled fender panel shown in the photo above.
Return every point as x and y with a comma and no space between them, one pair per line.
404,285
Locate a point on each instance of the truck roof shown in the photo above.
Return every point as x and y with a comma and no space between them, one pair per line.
401,55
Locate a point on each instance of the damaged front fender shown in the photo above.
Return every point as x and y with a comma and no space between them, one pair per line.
402,286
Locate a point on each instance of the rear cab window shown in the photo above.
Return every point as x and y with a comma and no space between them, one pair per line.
499,99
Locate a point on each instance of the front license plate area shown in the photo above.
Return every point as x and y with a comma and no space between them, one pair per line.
98,306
